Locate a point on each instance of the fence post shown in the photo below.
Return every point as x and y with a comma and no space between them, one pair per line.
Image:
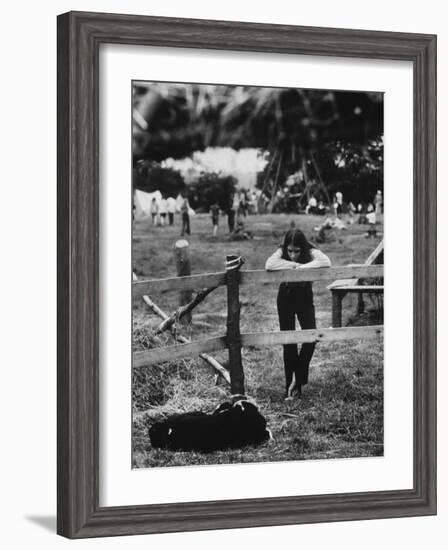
337,308
360,306
182,258
233,263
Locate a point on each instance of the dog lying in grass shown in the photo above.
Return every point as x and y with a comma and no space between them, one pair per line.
228,427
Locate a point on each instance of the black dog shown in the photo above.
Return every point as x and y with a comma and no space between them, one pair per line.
228,427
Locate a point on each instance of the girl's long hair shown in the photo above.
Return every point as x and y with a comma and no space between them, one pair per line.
296,237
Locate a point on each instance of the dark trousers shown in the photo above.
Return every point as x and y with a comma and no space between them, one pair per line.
185,224
171,217
296,300
231,220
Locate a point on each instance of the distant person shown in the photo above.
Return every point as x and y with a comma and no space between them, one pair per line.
371,220
179,202
378,202
263,201
351,212
246,203
334,207
163,211
242,204
339,202
231,212
231,219
331,223
362,219
236,206
311,206
296,300
253,202
185,213
240,233
153,210
214,214
321,209
171,207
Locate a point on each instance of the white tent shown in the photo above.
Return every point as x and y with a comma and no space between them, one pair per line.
142,202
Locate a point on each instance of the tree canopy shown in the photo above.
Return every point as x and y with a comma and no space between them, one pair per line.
176,120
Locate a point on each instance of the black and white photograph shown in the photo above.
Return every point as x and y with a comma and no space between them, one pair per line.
221,228
257,268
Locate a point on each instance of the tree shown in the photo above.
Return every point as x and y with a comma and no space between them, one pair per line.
210,188
293,125
355,170
150,176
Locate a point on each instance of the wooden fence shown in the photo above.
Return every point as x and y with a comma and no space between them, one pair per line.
233,340
346,286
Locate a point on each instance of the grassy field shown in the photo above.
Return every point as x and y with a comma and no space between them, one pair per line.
341,411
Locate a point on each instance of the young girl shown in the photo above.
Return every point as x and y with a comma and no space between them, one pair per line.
296,299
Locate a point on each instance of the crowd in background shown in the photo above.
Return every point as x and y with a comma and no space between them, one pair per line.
241,203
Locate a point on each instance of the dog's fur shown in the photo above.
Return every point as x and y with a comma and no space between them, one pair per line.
228,427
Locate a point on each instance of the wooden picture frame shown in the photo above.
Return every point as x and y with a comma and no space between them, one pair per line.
79,38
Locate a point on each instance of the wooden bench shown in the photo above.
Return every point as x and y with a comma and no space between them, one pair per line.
344,286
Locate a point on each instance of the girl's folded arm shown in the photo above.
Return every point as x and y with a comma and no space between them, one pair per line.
276,263
319,259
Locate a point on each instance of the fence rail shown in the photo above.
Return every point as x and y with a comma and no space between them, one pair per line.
169,353
160,355
310,335
196,282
